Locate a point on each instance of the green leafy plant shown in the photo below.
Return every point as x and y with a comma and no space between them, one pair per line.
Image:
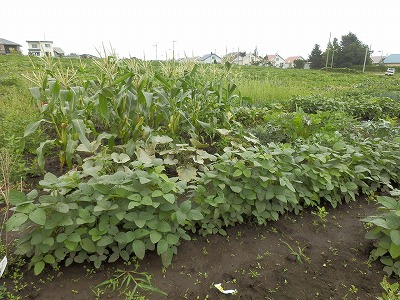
321,213
386,233
391,291
126,103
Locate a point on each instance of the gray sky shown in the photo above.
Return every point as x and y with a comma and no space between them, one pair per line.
286,27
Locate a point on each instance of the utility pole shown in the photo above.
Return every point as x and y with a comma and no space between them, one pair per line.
327,50
333,54
365,57
155,45
173,50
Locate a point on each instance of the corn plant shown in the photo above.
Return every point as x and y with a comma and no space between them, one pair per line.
126,103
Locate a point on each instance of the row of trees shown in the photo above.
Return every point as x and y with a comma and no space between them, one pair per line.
346,54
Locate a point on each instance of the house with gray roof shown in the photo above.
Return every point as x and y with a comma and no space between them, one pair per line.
58,52
7,47
392,60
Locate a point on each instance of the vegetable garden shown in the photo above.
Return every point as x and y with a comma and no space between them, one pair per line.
126,160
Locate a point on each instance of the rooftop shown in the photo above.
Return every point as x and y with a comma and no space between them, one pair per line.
392,59
7,42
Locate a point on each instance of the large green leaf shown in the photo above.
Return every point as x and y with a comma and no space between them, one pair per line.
104,110
31,128
395,236
394,250
35,92
194,214
15,221
170,198
80,128
39,266
17,198
38,216
61,207
155,236
139,248
88,245
40,154
162,246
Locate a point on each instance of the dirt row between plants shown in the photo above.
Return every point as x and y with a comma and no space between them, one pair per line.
297,257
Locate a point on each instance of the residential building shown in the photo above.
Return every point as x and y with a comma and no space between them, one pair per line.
235,57
275,60
7,47
289,62
250,59
377,60
210,59
58,52
40,48
392,60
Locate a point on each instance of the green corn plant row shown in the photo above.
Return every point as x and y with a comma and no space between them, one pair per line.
128,102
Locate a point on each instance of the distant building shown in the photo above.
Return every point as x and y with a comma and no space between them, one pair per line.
392,60
275,60
289,62
250,59
40,48
235,57
377,60
58,52
210,59
7,47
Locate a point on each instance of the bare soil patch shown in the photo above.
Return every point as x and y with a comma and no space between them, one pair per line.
255,260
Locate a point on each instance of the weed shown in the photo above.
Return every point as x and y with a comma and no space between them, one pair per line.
300,254
128,283
391,291
321,213
254,274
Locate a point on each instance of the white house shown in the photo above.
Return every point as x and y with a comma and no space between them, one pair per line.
290,61
235,57
275,60
210,59
251,59
40,48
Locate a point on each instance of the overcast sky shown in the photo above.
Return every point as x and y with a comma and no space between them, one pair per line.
133,27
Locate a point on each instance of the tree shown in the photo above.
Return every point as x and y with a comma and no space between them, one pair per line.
315,58
299,63
351,52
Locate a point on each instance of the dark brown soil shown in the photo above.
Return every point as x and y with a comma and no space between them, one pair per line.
254,260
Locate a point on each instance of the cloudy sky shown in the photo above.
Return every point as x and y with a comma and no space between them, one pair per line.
134,27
